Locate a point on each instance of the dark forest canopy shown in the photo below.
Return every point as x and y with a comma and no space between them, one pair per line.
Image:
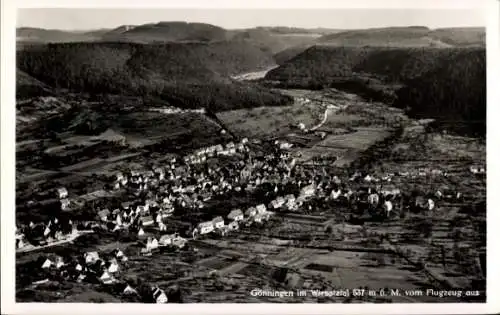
186,75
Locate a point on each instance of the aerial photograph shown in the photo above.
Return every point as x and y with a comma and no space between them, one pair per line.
250,155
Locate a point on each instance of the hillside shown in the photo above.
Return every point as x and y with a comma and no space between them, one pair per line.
39,35
27,86
401,76
185,75
454,92
167,32
417,36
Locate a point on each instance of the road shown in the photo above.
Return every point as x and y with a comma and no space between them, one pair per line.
69,239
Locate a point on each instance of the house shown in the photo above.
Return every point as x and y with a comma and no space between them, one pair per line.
19,243
166,239
103,215
205,227
129,290
147,220
430,204
117,253
47,264
244,140
91,257
373,199
280,201
307,191
140,232
261,208
235,215
475,169
335,194
159,296
388,207
119,176
59,262
62,193
105,277
179,242
233,226
152,243
251,212
112,266
65,203
218,222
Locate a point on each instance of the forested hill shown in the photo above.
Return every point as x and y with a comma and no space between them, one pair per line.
187,75
446,83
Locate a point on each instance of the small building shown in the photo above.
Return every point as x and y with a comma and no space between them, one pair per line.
62,193
166,240
261,208
159,296
112,266
205,227
252,211
47,264
218,222
307,191
65,203
59,263
105,277
119,176
233,226
373,199
140,232
388,207
235,215
103,214
91,257
129,290
147,220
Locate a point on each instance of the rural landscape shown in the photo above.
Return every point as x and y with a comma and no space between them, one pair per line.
177,162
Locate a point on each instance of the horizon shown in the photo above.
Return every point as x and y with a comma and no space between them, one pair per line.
81,20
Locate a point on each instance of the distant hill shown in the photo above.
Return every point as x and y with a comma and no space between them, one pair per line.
416,36
465,36
167,32
39,35
186,75
401,76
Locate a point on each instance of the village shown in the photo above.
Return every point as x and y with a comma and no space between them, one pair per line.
221,193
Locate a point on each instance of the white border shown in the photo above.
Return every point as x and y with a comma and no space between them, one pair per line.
8,13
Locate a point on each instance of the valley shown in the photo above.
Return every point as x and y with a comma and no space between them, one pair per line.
200,168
